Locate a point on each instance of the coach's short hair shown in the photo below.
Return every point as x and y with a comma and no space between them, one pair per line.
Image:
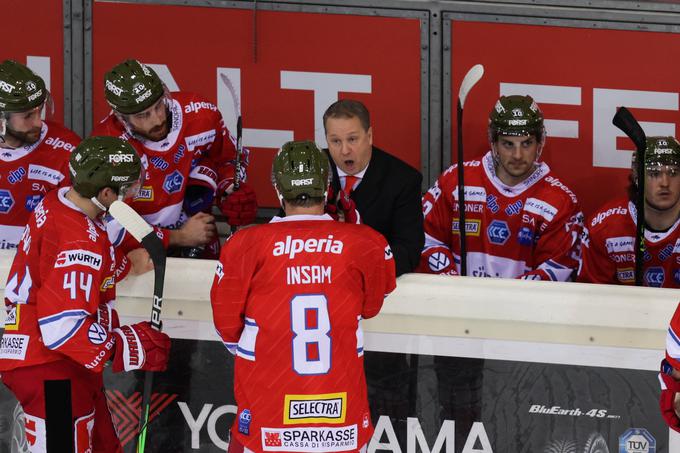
348,108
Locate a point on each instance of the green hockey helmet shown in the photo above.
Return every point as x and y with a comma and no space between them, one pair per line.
131,87
20,88
300,170
99,162
659,152
516,116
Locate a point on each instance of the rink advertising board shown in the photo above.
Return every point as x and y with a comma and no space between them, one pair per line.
578,76
284,75
419,403
39,45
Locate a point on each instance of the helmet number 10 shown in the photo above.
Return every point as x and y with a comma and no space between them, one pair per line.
311,328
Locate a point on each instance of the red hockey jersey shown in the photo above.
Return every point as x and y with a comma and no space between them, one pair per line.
609,249
197,147
287,300
530,230
673,341
63,270
27,174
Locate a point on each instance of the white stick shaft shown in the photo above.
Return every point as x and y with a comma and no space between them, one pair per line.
130,220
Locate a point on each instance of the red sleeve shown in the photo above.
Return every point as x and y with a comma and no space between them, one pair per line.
558,251
437,256
596,267
75,140
64,307
379,275
126,243
673,340
107,127
216,167
230,288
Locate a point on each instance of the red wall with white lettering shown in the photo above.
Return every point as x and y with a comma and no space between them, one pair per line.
587,63
194,41
27,33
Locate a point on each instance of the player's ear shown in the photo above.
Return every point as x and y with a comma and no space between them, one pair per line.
106,196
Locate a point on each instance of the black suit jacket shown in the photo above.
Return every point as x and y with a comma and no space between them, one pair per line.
389,201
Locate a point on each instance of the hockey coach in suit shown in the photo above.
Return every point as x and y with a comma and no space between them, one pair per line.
371,186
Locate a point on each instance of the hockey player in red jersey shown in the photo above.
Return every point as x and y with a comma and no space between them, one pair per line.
288,298
61,323
521,220
609,243
669,376
187,153
33,153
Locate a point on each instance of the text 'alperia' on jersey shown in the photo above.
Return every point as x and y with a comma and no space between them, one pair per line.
64,270
609,249
27,174
288,298
531,230
198,147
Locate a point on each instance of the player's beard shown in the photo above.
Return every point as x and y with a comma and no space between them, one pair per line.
25,138
159,133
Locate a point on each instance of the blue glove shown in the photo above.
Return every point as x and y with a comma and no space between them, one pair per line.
198,199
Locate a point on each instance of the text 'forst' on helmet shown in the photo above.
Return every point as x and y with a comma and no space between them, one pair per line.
100,162
21,90
300,171
516,116
131,87
659,152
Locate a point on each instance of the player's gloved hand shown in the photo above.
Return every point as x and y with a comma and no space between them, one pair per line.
344,209
332,211
239,206
140,347
437,260
669,388
107,317
330,208
198,198
347,208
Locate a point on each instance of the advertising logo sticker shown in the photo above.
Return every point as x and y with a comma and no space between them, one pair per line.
498,232
637,440
323,408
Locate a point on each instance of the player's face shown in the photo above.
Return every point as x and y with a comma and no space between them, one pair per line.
151,123
349,144
130,190
516,157
662,187
25,127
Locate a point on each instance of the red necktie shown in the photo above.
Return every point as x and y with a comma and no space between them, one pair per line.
349,183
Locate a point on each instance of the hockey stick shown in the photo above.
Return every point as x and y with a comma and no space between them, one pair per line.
237,162
471,78
625,121
239,135
144,233
58,415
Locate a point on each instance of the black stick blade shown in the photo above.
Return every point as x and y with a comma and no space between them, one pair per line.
625,121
